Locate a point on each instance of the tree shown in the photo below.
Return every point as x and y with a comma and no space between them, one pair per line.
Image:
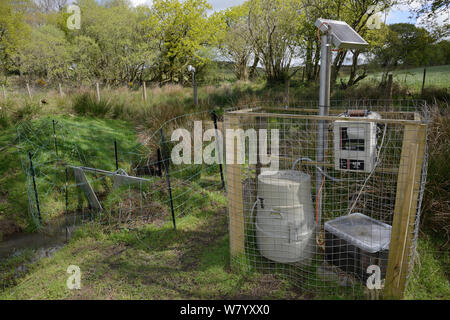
235,45
86,59
181,30
405,44
376,39
13,33
120,35
274,32
47,54
51,5
356,13
433,15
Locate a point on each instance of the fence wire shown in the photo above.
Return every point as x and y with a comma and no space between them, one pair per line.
319,234
82,172
324,235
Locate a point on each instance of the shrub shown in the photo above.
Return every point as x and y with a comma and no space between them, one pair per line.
432,94
436,206
41,82
4,118
27,111
86,104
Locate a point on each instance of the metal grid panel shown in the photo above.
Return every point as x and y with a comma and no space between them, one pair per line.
311,258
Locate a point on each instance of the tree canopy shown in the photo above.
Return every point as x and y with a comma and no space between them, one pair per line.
119,43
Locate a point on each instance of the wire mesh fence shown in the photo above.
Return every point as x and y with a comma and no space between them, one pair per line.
326,225
322,225
101,170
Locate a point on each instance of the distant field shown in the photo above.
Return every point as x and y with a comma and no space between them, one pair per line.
437,76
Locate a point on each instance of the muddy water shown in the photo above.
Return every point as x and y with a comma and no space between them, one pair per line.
48,240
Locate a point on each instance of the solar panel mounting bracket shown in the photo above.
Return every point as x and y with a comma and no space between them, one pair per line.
343,36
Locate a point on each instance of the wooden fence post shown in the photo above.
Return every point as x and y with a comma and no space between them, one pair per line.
389,89
98,91
4,91
234,189
286,91
60,90
423,80
144,91
408,187
29,90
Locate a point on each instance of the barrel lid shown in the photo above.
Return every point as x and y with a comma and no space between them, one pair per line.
283,177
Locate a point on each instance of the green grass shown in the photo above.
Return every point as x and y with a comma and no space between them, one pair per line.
151,262
81,141
430,278
156,262
437,76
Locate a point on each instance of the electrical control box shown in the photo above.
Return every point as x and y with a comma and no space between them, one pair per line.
355,142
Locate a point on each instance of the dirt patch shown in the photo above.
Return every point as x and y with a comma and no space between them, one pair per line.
153,212
265,286
134,209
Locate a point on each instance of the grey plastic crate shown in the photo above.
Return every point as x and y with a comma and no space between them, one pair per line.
354,242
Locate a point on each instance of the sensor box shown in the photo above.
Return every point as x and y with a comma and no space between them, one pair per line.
355,142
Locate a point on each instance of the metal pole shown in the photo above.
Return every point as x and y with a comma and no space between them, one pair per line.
115,153
194,85
169,188
67,205
159,162
324,105
219,156
34,187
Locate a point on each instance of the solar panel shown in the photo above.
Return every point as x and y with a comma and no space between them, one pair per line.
343,35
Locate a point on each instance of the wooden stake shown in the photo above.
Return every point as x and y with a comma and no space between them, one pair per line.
144,91
4,91
389,90
423,80
60,90
408,187
234,188
286,91
29,90
98,91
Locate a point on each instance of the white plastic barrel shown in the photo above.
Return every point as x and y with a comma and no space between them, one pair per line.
285,216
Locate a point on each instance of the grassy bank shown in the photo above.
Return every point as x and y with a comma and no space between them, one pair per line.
149,260
155,262
81,140
436,76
